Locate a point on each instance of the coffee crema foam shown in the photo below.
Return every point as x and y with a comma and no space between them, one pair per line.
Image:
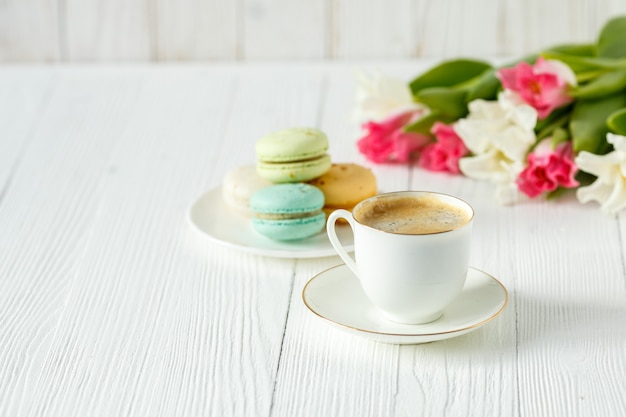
411,215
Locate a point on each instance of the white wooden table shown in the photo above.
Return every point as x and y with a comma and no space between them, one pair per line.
111,304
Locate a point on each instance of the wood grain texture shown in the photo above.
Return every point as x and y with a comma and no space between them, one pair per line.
112,305
116,30
23,104
213,30
285,29
29,31
189,30
372,29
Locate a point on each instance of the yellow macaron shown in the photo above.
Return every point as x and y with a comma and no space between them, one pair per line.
345,185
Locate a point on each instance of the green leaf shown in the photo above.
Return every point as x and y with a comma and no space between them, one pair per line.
529,59
584,178
446,101
556,116
588,123
558,192
585,76
612,39
559,135
580,64
548,126
605,84
617,122
424,124
486,87
583,49
449,74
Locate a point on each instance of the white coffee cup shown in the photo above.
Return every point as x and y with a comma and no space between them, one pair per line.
409,277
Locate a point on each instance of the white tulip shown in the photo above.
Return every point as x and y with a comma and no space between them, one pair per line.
609,189
379,96
499,135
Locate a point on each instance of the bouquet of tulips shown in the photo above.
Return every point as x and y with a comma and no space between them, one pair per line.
549,122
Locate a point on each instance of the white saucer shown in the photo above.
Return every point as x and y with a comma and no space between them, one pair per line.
336,296
212,217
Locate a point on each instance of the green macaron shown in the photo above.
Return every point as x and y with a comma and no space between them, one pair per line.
293,155
288,211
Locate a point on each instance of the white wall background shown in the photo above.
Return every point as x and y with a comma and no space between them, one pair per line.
239,30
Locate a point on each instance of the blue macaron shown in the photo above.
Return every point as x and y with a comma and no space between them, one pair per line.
288,211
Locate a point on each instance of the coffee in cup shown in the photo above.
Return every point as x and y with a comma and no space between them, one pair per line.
411,215
411,251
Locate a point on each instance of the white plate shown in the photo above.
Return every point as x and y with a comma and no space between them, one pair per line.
212,217
336,296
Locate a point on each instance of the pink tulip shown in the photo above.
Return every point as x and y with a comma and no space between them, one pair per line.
548,168
444,154
543,85
387,141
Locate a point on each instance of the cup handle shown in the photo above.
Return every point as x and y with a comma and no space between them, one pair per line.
334,240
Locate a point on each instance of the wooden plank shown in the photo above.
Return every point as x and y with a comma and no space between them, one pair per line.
116,30
24,93
29,31
133,313
371,29
104,337
45,216
345,375
529,27
189,30
450,28
112,305
39,31
283,29
570,310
